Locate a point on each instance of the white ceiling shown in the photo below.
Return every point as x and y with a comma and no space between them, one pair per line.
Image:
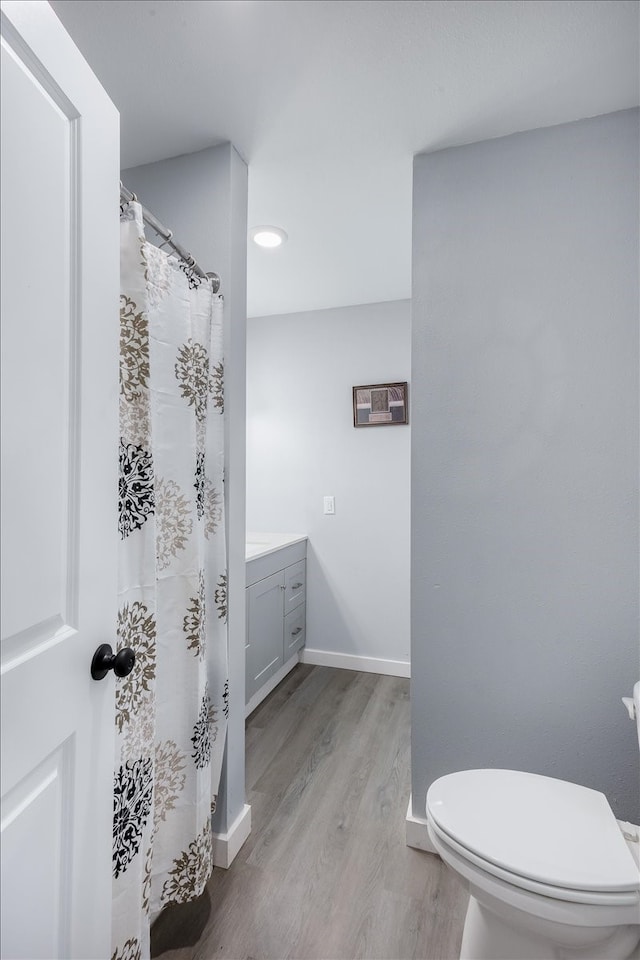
328,101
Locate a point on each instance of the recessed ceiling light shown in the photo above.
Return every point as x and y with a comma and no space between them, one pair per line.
267,236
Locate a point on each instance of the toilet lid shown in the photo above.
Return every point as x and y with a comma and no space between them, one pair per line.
557,833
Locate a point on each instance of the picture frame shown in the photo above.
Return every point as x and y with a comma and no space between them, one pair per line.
381,404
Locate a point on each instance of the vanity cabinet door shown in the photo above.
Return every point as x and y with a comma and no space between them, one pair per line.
264,631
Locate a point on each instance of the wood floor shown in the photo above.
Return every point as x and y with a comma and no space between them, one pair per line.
325,872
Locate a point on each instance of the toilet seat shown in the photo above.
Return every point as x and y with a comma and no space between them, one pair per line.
592,897
547,836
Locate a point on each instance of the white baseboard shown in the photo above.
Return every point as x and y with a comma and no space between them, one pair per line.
270,685
416,834
348,661
226,845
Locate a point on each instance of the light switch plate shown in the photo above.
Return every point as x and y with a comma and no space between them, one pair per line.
329,505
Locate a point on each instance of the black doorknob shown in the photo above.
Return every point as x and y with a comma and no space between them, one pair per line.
104,659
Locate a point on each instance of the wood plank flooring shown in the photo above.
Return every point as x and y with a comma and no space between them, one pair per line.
325,873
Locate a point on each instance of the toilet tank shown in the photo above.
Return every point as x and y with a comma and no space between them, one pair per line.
633,706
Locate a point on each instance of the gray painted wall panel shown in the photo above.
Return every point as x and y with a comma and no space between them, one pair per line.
525,457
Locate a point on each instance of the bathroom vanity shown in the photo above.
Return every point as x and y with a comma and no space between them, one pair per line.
276,604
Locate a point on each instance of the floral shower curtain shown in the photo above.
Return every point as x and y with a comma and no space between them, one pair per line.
171,711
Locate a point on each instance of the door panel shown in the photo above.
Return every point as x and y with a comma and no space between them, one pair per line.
36,342
38,806
59,482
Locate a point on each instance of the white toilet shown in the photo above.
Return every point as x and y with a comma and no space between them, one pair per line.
551,875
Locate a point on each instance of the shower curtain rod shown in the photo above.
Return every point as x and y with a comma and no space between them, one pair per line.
167,236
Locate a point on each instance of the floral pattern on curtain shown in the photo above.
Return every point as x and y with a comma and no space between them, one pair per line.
171,711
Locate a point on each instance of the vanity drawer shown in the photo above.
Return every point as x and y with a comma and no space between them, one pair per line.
294,585
294,631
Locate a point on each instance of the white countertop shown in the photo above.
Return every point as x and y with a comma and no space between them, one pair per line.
260,544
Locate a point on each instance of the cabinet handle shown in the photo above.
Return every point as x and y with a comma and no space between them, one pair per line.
294,633
296,586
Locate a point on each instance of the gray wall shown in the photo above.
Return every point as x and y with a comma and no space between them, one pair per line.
302,445
525,457
202,197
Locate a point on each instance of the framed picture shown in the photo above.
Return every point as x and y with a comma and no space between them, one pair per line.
380,404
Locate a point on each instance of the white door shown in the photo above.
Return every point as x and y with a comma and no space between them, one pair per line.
59,481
